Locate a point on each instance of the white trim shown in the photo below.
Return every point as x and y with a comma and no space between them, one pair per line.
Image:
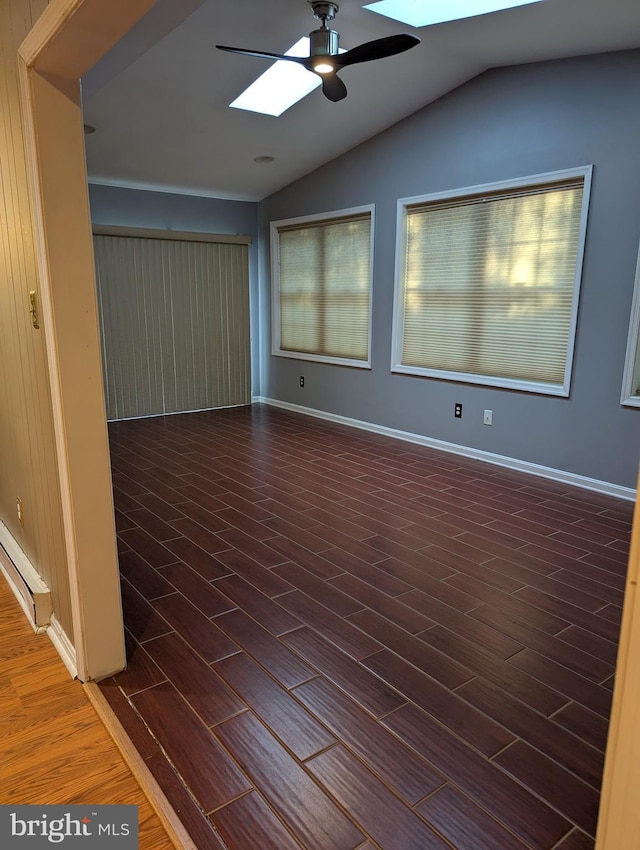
167,189
324,216
275,285
63,645
484,380
587,172
318,358
632,356
27,584
172,235
397,367
466,451
498,185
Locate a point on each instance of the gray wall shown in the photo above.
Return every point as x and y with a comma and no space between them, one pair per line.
505,123
113,205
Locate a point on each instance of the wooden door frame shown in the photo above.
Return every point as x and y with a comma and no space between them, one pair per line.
67,40
619,816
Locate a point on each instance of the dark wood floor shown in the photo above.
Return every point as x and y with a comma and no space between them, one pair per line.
338,640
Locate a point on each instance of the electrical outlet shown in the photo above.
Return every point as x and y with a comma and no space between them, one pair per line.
302,380
488,417
457,410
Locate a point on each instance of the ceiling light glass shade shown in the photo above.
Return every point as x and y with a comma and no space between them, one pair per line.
424,13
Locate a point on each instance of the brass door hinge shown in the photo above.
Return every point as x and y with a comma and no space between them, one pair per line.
35,320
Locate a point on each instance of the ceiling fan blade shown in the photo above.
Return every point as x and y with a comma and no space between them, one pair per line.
301,60
377,49
332,87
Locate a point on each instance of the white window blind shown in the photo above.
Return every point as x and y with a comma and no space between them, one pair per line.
488,285
322,287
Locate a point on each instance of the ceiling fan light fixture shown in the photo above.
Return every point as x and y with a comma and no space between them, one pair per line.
323,67
324,59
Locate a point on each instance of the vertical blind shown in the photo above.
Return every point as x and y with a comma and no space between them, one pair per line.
325,287
175,324
489,282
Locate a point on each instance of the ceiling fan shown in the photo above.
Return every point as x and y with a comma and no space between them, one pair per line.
324,58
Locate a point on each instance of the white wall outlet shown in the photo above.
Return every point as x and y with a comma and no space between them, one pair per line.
488,417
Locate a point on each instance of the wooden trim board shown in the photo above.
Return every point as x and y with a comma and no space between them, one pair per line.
619,820
176,235
68,39
141,772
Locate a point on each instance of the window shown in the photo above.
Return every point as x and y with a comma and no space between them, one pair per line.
321,273
487,282
631,382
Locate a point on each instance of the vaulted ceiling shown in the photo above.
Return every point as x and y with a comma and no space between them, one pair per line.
159,100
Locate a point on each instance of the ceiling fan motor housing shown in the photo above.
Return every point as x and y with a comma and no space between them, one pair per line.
323,42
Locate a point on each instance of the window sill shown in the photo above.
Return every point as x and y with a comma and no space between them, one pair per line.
631,401
320,358
484,380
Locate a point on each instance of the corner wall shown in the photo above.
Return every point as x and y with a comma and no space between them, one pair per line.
506,123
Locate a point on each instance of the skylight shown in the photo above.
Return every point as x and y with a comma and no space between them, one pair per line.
424,13
281,85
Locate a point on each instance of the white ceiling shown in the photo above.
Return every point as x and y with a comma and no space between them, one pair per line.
159,100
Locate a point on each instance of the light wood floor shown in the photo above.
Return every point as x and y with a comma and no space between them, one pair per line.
54,748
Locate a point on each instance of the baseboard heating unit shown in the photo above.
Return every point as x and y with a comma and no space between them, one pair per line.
30,590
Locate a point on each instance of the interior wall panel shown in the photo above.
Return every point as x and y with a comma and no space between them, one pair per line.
175,324
28,467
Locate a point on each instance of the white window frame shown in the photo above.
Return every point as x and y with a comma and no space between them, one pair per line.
632,357
397,366
275,286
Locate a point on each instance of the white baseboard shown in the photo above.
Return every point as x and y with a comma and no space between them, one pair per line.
66,650
453,448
